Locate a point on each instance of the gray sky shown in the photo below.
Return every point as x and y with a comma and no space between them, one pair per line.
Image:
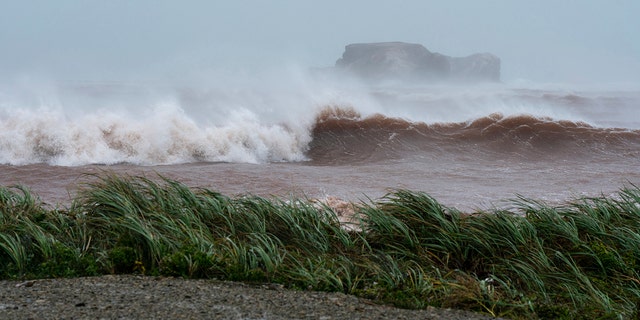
543,40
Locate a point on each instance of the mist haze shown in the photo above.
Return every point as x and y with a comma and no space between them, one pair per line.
542,41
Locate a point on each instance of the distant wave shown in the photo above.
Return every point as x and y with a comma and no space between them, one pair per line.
341,136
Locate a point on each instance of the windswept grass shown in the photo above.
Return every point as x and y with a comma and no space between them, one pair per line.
578,260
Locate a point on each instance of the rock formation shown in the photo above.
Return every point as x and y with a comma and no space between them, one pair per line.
413,62
476,67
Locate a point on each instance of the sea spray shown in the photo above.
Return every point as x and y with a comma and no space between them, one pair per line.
269,118
167,136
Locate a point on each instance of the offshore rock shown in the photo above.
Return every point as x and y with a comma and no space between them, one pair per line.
413,62
476,67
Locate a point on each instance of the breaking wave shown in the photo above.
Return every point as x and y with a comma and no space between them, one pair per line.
342,136
164,137
107,125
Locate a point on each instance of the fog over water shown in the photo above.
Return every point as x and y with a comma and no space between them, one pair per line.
541,41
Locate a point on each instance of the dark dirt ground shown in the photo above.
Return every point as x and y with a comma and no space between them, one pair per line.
140,297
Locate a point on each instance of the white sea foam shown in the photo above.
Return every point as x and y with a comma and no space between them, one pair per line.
168,135
113,123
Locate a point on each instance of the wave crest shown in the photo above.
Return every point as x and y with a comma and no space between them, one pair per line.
164,137
379,138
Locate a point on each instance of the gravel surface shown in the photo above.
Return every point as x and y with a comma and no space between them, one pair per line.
139,297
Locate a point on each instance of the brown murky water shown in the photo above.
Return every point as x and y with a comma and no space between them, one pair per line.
454,184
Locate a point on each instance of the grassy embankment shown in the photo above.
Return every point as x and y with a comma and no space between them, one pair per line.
580,260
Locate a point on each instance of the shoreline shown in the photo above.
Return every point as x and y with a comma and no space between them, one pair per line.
410,251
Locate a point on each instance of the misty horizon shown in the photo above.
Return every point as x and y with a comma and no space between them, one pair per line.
570,42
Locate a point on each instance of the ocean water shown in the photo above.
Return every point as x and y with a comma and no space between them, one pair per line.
470,146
